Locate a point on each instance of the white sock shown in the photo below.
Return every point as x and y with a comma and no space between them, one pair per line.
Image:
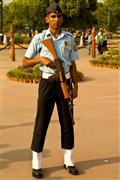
68,161
36,160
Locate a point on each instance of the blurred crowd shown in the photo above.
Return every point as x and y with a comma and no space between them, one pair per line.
85,39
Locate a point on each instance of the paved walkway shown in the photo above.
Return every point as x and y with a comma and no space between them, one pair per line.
96,151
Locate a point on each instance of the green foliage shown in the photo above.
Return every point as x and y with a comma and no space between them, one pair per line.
30,14
32,73
78,14
111,57
92,4
18,39
26,39
25,12
22,39
108,14
101,15
70,8
25,72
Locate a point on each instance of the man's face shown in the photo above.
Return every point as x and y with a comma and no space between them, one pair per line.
54,20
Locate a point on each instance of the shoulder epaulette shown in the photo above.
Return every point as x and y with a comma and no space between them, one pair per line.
68,33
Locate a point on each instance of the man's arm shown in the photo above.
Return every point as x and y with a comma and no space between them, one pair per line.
73,73
32,62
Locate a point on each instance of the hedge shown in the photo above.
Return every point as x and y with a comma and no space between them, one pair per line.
110,58
22,39
31,74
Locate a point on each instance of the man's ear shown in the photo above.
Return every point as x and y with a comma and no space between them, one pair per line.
46,19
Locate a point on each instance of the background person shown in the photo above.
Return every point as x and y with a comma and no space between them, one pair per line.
89,41
102,41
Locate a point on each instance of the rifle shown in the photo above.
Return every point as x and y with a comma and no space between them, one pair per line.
50,46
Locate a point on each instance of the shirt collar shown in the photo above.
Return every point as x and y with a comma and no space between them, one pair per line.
62,34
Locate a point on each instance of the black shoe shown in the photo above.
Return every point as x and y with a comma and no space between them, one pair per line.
37,173
71,169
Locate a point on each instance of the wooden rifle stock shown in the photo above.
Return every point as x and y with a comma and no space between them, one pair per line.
50,46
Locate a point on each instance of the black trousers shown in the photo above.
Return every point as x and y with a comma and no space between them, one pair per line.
50,92
100,48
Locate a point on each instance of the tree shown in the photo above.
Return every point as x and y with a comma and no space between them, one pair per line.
77,14
92,4
113,8
101,16
23,13
72,8
30,13
108,14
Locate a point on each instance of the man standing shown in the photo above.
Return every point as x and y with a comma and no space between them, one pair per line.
50,92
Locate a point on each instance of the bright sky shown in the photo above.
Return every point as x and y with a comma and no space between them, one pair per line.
100,0
6,1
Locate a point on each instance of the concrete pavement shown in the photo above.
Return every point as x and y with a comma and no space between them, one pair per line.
96,151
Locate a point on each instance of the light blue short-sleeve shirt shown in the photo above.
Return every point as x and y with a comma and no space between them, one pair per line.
64,45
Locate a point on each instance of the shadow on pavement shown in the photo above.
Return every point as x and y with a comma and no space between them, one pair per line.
15,125
23,124
86,78
84,165
25,155
18,155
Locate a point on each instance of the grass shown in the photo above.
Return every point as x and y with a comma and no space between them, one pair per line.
110,58
26,74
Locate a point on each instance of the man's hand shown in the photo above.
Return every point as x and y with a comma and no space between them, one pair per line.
73,73
74,92
48,62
